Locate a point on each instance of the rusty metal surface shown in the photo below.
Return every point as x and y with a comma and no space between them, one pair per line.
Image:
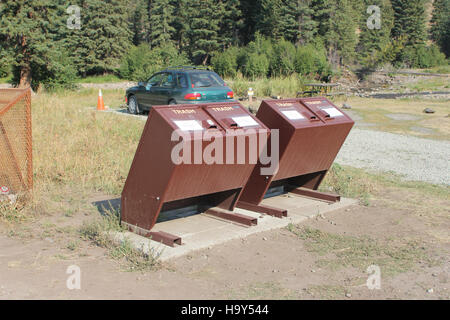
316,194
165,238
310,140
271,211
16,163
234,217
155,183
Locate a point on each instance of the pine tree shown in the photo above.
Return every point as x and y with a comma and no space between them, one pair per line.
104,37
231,22
181,23
203,27
373,41
322,12
250,12
269,18
289,27
336,25
307,27
139,21
409,21
440,29
29,31
161,19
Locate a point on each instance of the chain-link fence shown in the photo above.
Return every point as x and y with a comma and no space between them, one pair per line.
16,165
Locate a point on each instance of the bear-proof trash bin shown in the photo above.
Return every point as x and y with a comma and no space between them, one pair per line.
188,158
311,133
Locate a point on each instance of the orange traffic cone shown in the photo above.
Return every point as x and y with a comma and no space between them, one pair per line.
100,103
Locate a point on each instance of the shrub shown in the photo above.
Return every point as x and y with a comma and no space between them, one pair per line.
310,60
428,57
282,62
226,63
141,62
256,65
4,70
260,49
422,56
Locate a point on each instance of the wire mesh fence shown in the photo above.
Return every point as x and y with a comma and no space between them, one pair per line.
16,164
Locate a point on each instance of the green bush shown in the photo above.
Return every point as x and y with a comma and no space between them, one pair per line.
141,62
310,60
421,56
428,57
226,63
282,62
256,65
4,71
254,59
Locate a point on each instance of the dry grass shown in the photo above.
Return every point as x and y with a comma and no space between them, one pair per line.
81,148
281,86
338,251
375,111
78,153
430,203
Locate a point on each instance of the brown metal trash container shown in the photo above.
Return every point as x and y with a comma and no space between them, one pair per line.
311,133
156,184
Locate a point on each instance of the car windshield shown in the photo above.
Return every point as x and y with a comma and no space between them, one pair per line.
206,79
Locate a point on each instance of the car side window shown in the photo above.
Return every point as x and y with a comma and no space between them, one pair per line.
181,80
155,80
167,81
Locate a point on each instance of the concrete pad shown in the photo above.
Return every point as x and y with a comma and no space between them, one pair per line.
202,231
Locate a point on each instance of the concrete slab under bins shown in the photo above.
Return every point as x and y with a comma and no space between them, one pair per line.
202,231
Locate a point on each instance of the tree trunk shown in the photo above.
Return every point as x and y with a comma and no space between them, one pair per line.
205,60
25,77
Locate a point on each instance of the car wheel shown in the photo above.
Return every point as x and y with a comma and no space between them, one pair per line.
172,102
133,106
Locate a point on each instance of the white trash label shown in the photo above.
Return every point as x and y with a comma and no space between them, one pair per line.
189,125
293,115
245,121
333,112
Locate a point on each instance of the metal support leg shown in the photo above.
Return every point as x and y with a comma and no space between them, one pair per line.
316,195
159,236
234,217
279,213
165,238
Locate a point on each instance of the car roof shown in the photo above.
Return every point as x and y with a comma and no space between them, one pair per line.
187,69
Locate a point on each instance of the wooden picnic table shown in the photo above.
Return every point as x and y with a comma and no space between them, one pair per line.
317,88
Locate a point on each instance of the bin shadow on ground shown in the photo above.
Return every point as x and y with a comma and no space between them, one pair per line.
105,207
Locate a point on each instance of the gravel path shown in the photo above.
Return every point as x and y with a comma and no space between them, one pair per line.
414,158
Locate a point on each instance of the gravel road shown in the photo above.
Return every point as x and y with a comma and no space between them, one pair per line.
414,158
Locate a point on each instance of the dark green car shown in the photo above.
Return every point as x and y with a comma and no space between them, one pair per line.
178,85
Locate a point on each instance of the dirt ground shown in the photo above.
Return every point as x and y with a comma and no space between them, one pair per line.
280,264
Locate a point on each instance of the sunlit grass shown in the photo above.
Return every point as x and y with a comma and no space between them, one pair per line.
376,111
101,79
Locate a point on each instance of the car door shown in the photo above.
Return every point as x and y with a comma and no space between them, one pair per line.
164,91
149,94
